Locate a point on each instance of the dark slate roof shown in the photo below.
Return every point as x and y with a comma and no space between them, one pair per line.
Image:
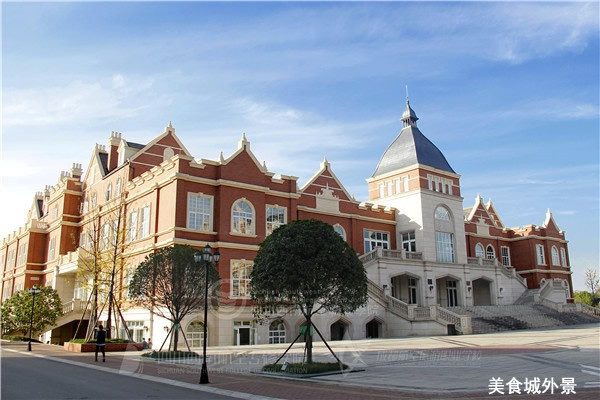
409,148
104,162
135,145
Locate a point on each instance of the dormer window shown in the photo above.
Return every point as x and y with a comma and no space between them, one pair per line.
121,156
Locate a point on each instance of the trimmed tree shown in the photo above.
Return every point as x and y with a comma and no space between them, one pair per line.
16,311
170,284
307,266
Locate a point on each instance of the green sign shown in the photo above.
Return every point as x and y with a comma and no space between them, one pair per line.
303,330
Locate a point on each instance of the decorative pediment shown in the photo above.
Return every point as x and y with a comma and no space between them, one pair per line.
327,201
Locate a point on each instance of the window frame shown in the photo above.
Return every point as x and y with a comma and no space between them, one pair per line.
507,255
479,254
442,252
488,253
555,256
233,218
367,238
275,336
52,249
410,241
245,283
145,222
539,254
267,222
132,227
563,257
210,215
343,231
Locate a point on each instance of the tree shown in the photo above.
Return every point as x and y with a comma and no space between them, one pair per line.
307,266
592,280
16,310
170,284
584,297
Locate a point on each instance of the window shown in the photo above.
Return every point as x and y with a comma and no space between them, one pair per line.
22,258
104,235
86,206
145,222
390,188
439,184
479,250
445,247
276,332
409,242
242,217
555,259
491,254
340,230
55,211
195,334
397,183
541,259
132,234
168,153
381,190
82,239
11,259
563,256
505,255
118,187
412,291
136,329
276,216
442,214
52,251
375,239
405,183
108,193
121,156
240,278
200,212
94,200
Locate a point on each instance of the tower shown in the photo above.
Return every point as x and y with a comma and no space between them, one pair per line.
414,176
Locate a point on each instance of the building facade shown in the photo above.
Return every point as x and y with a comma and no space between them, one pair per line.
423,252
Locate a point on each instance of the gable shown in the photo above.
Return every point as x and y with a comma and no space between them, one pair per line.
325,183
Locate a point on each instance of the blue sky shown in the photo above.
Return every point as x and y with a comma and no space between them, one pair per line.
508,91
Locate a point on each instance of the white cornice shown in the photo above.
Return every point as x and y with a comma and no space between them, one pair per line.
517,238
344,215
411,168
545,271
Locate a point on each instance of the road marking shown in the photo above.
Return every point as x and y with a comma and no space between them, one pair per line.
589,367
151,378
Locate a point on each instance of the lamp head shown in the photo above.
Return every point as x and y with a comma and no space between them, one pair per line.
217,255
207,253
197,256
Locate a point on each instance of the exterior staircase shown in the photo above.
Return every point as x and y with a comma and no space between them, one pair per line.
487,319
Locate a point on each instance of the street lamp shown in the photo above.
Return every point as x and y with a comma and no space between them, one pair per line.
33,291
208,258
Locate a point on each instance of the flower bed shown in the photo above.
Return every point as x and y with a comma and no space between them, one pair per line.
91,347
304,369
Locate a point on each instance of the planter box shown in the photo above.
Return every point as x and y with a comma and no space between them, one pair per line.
91,347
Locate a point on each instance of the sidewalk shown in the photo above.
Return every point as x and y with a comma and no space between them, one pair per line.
131,363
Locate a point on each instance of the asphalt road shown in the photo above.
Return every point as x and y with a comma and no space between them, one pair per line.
33,378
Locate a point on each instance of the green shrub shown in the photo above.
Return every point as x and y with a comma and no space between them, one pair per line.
94,341
170,354
300,369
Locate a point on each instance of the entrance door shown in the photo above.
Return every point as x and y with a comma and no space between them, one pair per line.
373,329
412,291
452,293
243,336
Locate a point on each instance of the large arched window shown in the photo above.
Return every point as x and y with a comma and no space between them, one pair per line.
340,231
195,334
555,259
444,235
491,254
479,252
277,332
242,217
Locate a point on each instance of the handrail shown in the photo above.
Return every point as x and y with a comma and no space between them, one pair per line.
398,305
586,308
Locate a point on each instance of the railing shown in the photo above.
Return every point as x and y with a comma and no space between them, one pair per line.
422,313
398,305
488,261
73,305
481,261
365,258
414,255
589,309
71,256
448,316
376,289
385,253
473,260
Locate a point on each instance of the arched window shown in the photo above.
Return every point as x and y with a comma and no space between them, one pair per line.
118,187
479,252
442,214
444,235
108,192
555,259
491,254
340,231
242,217
277,332
195,334
168,153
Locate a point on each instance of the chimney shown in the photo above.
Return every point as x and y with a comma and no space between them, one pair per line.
113,153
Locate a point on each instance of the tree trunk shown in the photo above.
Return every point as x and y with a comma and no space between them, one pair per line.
308,340
175,335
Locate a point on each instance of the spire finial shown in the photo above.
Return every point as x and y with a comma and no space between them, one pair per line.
407,101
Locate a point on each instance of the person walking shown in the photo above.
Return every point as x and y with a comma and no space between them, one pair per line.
101,342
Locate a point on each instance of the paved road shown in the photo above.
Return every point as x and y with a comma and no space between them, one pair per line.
25,377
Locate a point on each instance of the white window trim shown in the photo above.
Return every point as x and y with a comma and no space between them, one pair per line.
344,236
563,257
132,227
231,262
267,206
482,250
409,241
389,238
253,230
502,255
554,248
487,251
212,206
141,212
381,190
537,255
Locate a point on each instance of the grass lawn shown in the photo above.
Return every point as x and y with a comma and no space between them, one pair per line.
301,369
